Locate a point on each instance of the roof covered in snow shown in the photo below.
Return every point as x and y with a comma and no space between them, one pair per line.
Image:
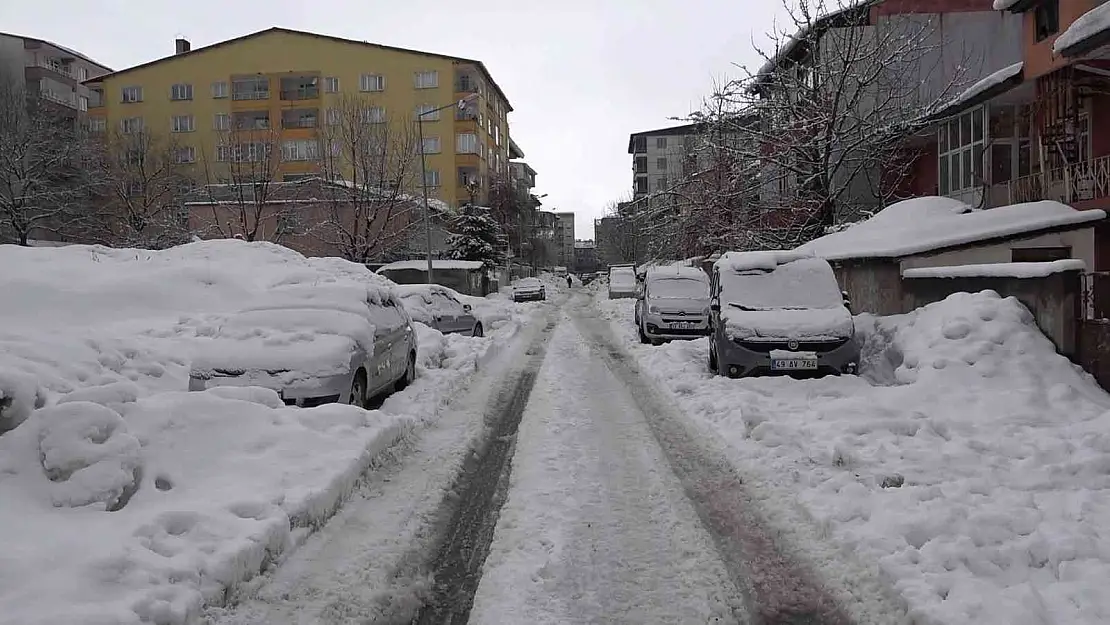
998,270
808,33
931,223
988,87
422,265
1090,31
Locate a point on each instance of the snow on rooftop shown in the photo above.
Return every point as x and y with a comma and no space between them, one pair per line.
1091,23
930,223
993,80
1004,5
998,270
422,265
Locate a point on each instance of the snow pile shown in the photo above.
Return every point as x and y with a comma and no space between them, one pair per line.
930,223
1091,24
128,499
971,463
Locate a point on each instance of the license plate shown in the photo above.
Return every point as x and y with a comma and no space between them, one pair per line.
784,364
683,325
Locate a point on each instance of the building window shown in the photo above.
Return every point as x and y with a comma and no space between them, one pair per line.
82,73
661,184
466,143
639,145
640,165
181,91
242,152
641,184
132,94
82,103
252,88
661,164
661,143
183,123
185,154
432,145
333,117
425,112
331,84
98,124
370,82
373,115
427,80
299,150
222,121
219,89
431,177
131,125
960,149
1046,19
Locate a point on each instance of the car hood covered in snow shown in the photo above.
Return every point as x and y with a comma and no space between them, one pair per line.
809,324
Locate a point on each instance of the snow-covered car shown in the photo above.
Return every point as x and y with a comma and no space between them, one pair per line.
779,312
673,304
313,345
441,308
529,289
622,281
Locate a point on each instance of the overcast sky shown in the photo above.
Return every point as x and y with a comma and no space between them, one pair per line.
580,74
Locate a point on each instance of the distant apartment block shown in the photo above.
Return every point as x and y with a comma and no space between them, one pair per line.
661,157
564,240
52,71
280,96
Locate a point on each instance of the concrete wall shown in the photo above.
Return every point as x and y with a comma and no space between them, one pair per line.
1081,242
1054,300
873,286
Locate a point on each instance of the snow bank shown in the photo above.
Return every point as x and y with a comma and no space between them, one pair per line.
127,499
1090,24
930,223
422,265
998,270
971,464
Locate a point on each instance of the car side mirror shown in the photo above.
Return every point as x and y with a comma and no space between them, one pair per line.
847,300
467,307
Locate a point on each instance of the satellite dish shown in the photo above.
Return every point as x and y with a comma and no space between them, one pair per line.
462,105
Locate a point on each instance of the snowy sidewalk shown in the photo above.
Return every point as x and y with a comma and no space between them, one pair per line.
596,527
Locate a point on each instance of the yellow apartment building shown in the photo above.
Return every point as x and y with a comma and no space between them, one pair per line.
272,95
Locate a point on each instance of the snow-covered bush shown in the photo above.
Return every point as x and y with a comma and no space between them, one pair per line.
19,395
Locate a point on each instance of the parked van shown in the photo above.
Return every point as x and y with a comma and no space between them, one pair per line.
779,313
672,303
622,281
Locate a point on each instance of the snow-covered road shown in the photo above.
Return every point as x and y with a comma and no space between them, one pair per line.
596,527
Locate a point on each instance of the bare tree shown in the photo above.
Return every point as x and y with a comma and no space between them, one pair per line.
240,195
374,165
44,179
143,180
839,97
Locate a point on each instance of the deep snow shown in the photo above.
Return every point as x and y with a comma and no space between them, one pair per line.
127,499
969,468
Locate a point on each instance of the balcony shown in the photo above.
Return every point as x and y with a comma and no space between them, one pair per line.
467,81
251,120
250,89
300,88
1081,181
300,118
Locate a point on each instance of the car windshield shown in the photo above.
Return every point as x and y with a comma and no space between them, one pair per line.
678,288
802,284
528,283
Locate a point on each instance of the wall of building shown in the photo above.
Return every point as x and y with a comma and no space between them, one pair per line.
1054,300
1081,242
281,54
1039,57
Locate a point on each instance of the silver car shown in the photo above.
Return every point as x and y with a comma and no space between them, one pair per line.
779,313
529,290
441,308
313,346
673,303
622,281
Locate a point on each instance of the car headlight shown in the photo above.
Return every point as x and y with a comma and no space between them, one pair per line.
653,310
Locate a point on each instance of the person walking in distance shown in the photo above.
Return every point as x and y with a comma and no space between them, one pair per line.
569,282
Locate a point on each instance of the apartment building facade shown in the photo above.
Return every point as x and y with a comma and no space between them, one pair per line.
54,72
661,157
280,97
564,240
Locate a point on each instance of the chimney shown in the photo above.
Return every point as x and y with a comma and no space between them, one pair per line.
182,45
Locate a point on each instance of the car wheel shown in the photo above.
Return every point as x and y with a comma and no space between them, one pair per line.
644,340
410,374
358,390
478,331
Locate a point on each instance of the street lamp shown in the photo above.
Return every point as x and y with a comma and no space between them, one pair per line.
460,105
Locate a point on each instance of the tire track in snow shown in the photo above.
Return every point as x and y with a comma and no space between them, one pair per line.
481,488
778,590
